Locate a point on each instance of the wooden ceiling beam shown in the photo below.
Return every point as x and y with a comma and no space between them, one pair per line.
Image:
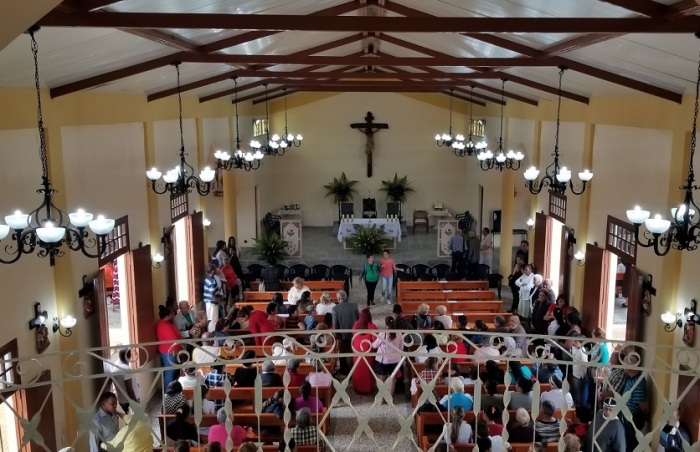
278,22
284,92
332,82
372,60
260,73
317,75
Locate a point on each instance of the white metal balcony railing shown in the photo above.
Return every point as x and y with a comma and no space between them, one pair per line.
355,422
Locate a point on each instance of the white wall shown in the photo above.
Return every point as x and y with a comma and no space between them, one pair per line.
215,135
332,147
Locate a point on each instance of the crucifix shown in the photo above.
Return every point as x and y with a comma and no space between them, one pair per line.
369,128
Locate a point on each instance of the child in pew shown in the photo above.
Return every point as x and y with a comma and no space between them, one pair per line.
208,406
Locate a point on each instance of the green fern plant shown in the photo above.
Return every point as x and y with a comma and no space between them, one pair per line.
369,240
397,189
341,189
271,248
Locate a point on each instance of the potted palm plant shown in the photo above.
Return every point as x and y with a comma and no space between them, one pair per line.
271,248
368,240
397,189
341,189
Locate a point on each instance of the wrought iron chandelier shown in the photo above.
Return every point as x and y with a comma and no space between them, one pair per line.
446,139
682,231
48,227
500,160
272,146
470,147
287,139
556,177
239,160
181,179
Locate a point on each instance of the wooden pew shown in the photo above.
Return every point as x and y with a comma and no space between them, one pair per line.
262,305
426,444
442,285
266,421
463,367
442,390
426,419
265,448
443,296
315,286
458,306
250,296
237,394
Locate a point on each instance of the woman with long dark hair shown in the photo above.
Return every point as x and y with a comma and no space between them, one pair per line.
362,378
180,428
388,345
370,275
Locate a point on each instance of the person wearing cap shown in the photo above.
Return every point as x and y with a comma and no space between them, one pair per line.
287,348
556,394
606,433
212,287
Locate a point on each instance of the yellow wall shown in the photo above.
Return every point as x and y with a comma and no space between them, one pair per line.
91,123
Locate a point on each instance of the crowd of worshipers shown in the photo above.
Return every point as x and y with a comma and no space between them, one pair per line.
536,310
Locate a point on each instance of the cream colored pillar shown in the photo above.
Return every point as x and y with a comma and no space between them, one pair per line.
155,229
583,217
230,212
536,157
507,202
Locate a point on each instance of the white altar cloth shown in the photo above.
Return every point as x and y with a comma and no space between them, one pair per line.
391,228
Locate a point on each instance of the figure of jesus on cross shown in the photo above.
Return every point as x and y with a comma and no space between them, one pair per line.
369,128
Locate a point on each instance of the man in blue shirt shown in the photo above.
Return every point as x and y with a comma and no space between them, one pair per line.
212,286
456,246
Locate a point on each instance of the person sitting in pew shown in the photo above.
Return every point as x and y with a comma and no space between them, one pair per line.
278,299
307,400
180,446
522,396
521,429
193,377
216,378
517,370
269,377
319,378
442,316
442,338
492,372
174,398
462,323
293,322
273,317
213,447
458,431
249,446
295,293
489,349
305,303
288,348
292,446
453,372
429,347
422,320
473,375
324,305
244,376
427,375
479,327
556,395
304,432
275,404
181,428
218,432
492,397
491,417
483,433
457,398
547,426
208,406
584,416
295,378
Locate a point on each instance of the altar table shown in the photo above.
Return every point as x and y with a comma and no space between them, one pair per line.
391,228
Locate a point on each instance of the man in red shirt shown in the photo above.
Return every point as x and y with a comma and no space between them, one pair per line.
258,323
168,334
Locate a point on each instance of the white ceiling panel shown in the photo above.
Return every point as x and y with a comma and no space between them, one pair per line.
518,8
224,6
285,43
164,78
67,55
455,45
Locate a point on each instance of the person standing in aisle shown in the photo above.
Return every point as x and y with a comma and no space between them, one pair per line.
370,275
486,248
387,272
457,247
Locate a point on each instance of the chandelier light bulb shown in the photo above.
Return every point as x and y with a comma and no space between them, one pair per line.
579,255
481,144
519,156
206,222
153,174
101,226
283,144
501,157
300,138
510,154
68,322
80,219
531,173
585,175
678,213
207,174
530,222
4,230
258,155
459,137
50,234
657,225
637,215
290,137
275,137
17,221
564,175
249,157
170,177
158,258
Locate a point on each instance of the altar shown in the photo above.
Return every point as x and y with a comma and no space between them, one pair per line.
391,229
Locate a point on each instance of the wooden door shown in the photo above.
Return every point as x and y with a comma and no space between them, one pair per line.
38,400
596,278
141,306
169,262
632,287
102,315
689,406
196,254
542,246
565,256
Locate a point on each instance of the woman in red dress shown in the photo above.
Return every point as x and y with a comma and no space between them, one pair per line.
362,378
